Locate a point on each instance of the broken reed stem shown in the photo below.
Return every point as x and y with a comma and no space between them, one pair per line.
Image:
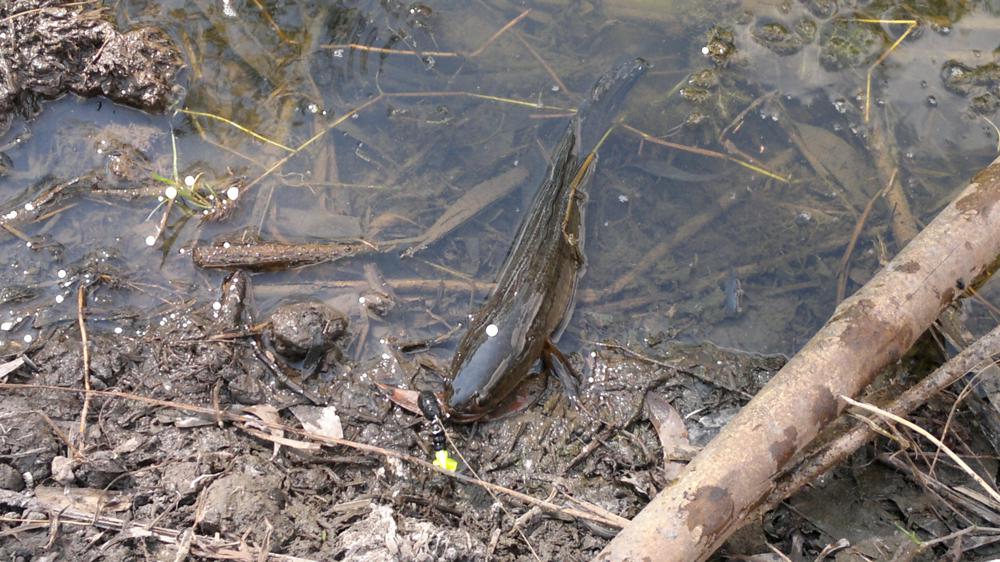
608,519
81,299
930,437
499,32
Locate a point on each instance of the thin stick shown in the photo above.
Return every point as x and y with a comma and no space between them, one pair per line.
501,99
500,32
845,261
385,51
704,152
232,123
927,435
545,65
81,299
281,162
871,69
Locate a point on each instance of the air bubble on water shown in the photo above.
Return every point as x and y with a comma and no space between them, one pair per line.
59,299
170,192
61,274
339,53
118,330
492,330
150,240
216,305
29,207
28,338
233,193
313,108
226,245
6,326
189,181
361,300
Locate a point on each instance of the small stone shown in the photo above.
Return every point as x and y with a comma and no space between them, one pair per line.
62,470
10,478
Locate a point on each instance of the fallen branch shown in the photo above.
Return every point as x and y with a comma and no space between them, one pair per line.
871,329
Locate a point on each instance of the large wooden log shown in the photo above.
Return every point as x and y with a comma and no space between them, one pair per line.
873,328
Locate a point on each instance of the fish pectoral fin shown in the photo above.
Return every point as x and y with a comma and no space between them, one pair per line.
558,364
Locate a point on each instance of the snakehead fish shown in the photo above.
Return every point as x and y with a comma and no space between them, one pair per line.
536,285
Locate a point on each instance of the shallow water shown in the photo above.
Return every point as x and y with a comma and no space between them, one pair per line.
442,105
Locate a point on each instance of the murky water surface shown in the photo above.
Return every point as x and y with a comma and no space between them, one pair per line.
366,121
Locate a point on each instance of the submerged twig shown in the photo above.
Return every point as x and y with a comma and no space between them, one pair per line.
705,152
81,299
845,261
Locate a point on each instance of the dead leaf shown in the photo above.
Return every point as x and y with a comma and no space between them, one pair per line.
670,429
319,420
88,501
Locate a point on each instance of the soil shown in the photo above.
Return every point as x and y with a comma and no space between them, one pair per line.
187,472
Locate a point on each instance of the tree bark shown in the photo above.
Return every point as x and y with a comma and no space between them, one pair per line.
871,329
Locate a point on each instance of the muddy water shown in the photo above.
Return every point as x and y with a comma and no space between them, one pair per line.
443,109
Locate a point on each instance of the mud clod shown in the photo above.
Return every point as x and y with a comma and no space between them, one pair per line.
65,48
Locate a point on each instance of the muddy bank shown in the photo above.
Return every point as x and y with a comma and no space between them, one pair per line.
186,472
49,48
